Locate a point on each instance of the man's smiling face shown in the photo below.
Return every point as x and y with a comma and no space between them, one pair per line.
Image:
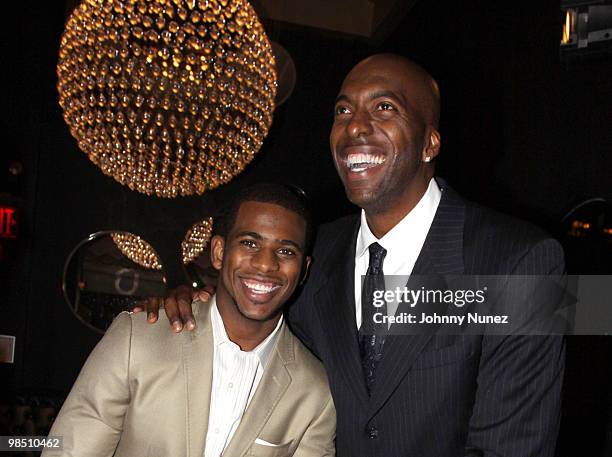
381,134
261,259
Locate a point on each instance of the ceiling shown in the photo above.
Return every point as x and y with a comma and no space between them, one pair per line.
364,18
370,19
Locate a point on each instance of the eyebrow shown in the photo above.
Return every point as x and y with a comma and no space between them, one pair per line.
341,98
374,95
257,236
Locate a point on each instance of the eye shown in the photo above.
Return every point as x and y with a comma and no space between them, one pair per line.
286,252
385,106
248,243
341,109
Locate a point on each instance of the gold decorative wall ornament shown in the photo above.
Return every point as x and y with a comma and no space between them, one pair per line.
196,240
169,97
137,250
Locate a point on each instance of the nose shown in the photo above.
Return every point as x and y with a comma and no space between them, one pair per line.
359,124
265,260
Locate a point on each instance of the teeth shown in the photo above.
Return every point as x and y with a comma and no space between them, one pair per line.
359,162
259,287
364,159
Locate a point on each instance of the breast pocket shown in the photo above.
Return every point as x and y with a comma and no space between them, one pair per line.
262,450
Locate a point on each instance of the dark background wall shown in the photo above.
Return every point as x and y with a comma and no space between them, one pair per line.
522,132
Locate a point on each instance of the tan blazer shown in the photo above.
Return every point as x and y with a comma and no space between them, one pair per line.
145,392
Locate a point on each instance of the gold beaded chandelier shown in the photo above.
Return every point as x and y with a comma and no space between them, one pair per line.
137,250
196,240
169,97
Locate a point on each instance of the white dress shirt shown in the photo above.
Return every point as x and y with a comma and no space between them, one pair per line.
403,242
236,375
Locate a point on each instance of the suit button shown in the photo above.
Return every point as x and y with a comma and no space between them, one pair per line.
372,432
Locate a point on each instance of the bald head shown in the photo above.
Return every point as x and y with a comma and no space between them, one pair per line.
419,87
385,137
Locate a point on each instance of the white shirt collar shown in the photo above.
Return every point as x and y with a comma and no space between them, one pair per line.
403,242
263,350
418,220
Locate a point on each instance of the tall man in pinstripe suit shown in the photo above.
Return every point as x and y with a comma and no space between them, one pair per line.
425,395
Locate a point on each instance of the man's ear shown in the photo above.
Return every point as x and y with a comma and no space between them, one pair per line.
306,269
217,247
432,148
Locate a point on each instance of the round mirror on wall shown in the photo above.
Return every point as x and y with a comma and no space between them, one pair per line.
195,250
110,272
286,73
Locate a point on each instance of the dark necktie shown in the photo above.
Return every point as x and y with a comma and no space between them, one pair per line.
371,345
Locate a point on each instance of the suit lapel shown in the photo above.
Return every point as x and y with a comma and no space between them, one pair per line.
442,254
273,385
198,366
335,301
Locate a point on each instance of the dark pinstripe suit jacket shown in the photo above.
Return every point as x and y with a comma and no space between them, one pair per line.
438,395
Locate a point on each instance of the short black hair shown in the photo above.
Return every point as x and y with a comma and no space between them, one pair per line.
289,197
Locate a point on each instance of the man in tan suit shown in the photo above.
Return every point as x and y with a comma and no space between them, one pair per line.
241,384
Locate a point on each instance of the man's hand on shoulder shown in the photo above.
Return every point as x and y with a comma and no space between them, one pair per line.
177,305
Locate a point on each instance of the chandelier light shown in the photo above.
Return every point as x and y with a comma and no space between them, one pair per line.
169,97
137,250
196,240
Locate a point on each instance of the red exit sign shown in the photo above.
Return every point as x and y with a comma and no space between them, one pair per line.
9,222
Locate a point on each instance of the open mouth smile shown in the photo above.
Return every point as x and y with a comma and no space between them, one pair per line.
356,163
258,288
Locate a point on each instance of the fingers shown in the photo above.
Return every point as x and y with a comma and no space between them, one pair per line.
177,306
184,299
171,308
151,305
202,294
